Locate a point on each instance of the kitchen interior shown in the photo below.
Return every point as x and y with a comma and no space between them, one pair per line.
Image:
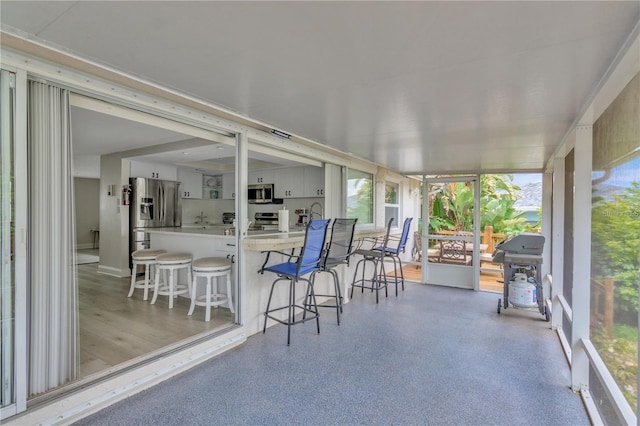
284,195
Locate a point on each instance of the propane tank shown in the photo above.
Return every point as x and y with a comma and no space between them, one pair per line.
522,293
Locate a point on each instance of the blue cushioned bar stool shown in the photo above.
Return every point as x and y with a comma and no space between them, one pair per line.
378,280
146,258
393,251
308,262
338,253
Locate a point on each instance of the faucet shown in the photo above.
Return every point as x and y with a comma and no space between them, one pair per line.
201,218
311,212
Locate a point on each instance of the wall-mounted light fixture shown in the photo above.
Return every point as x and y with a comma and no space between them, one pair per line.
281,134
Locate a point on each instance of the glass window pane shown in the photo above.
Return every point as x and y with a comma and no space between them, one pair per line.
360,196
615,239
391,193
7,289
392,203
392,212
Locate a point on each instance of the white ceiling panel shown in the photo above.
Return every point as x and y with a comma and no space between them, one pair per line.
415,86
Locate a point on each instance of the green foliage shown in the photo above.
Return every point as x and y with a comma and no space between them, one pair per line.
621,331
620,355
452,206
615,248
361,206
498,195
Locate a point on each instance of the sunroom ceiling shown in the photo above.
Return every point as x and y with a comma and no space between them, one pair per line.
414,86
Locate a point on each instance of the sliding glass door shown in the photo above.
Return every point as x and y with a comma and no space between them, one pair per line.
7,244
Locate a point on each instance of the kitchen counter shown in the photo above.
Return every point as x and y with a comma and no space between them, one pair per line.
287,240
258,240
197,231
254,287
204,231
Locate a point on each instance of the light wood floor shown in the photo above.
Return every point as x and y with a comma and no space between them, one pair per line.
115,329
489,281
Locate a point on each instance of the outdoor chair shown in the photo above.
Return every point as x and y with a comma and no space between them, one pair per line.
416,251
454,252
307,262
393,251
338,253
378,279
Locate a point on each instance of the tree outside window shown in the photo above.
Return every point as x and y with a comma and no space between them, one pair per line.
392,203
360,196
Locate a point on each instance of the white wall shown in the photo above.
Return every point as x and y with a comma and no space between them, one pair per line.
87,210
114,217
213,209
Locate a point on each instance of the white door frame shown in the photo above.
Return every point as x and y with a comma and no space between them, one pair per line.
452,275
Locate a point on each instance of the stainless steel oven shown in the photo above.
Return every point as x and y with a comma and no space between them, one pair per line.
261,194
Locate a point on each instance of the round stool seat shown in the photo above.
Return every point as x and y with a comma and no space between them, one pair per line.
171,263
146,258
210,268
173,258
211,264
145,254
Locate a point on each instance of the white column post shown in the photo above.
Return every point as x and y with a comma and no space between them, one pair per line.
242,159
557,241
546,223
547,212
581,291
476,233
425,228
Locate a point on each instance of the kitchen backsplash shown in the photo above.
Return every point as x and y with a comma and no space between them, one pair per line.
213,209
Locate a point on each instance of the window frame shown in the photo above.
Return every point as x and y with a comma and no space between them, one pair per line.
363,175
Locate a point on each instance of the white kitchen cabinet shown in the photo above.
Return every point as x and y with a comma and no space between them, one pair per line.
288,183
314,181
191,184
261,176
229,186
153,171
211,187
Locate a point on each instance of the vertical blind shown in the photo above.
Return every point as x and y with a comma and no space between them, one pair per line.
53,291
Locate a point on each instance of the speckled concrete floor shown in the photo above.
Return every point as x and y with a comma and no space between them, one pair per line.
433,355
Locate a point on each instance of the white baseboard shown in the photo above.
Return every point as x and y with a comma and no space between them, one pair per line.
80,404
114,272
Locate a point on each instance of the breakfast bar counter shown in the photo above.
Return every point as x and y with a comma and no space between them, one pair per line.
288,240
252,288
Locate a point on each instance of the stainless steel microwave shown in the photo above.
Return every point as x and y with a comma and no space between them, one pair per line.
261,194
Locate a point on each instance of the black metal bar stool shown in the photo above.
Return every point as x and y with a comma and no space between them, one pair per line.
378,279
306,263
338,253
394,252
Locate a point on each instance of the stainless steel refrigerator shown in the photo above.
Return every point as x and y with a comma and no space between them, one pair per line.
154,204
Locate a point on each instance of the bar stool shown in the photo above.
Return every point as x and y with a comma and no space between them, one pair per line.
146,257
337,253
378,280
307,262
211,267
394,252
172,263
